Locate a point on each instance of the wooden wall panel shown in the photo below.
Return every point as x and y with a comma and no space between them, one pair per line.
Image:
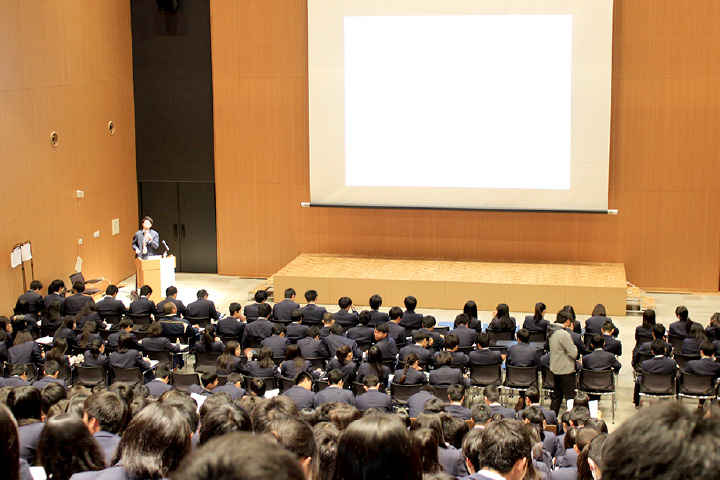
663,165
66,67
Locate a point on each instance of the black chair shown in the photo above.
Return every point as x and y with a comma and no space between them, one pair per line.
91,376
496,335
466,350
182,381
599,382
78,277
127,376
441,330
390,364
358,388
286,383
317,363
520,378
111,319
538,337
163,357
640,357
441,392
105,334
321,385
400,392
64,373
682,360
548,382
222,380
48,331
659,385
206,362
226,339
140,320
278,360
201,322
587,339
364,346
700,387
676,342
482,376
270,383
641,338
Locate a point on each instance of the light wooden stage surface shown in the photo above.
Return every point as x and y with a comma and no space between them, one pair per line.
449,284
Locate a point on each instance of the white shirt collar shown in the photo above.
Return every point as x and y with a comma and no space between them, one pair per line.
493,475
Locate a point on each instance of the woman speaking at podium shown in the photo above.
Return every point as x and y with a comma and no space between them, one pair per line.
146,240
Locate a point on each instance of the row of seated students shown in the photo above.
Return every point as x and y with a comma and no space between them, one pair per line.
120,433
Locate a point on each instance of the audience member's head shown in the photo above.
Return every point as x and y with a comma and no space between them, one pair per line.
222,420
297,437
426,442
327,437
342,415
51,394
276,408
10,451
506,448
25,403
66,447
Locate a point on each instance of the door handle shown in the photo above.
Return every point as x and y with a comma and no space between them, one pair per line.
175,230
182,230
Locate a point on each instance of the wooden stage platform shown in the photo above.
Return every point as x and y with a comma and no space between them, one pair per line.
449,284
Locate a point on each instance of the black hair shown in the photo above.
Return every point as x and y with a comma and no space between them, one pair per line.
461,319
66,447
234,307
264,310
145,290
470,309
51,394
597,341
426,442
276,408
261,296
648,320
311,295
327,436
202,293
395,312
364,317
523,335
313,332
296,315
481,414
375,302
410,360
410,303
503,314
25,403
297,437
456,392
539,312
334,376
504,442
483,340
658,331
10,453
428,321
55,286
451,341
221,420
170,291
289,292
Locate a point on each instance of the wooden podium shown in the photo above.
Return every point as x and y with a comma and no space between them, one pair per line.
158,273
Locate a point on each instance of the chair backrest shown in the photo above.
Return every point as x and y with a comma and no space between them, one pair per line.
657,383
676,342
698,385
225,339
466,350
321,385
400,392
105,334
111,319
358,388
91,376
164,357
548,379
482,375
521,376
317,363
182,381
206,362
65,374
144,320
364,346
441,392
286,383
48,331
597,380
682,360
201,322
642,338
278,360
127,376
496,335
270,383
537,336
30,368
640,357
441,330
222,380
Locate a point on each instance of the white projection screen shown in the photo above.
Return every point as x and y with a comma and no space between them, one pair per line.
468,104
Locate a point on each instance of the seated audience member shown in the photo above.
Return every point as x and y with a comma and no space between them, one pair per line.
105,415
95,356
445,374
260,329
52,394
169,428
492,398
666,441
410,319
595,323
335,340
277,341
428,326
110,306
382,445
532,399
600,359
707,364
174,326
75,302
311,346
343,361
420,347
502,321
25,403
66,330
25,350
396,332
466,335
53,319
53,295
209,343
240,456
484,355
229,361
342,414
455,430
125,325
373,398
14,467
18,377
691,344
127,357
296,330
456,394
294,363
33,297
334,392
171,293
59,353
312,314
232,386
502,450
66,447
282,311
88,314
156,342
51,369
252,312
658,364
411,373
301,393
362,333
234,325
263,367
160,384
204,308
85,338
449,457
256,387
451,346
535,416
595,461
143,305
648,322
658,333
297,437
416,402
209,381
612,344
481,414
376,316
223,420
523,354
275,408
374,366
347,316
470,309
537,322
328,320
682,327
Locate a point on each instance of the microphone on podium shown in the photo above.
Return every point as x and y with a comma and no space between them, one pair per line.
167,249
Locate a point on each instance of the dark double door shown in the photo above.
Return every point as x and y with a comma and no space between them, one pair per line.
183,214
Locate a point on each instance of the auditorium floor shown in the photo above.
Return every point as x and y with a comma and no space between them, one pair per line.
224,290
